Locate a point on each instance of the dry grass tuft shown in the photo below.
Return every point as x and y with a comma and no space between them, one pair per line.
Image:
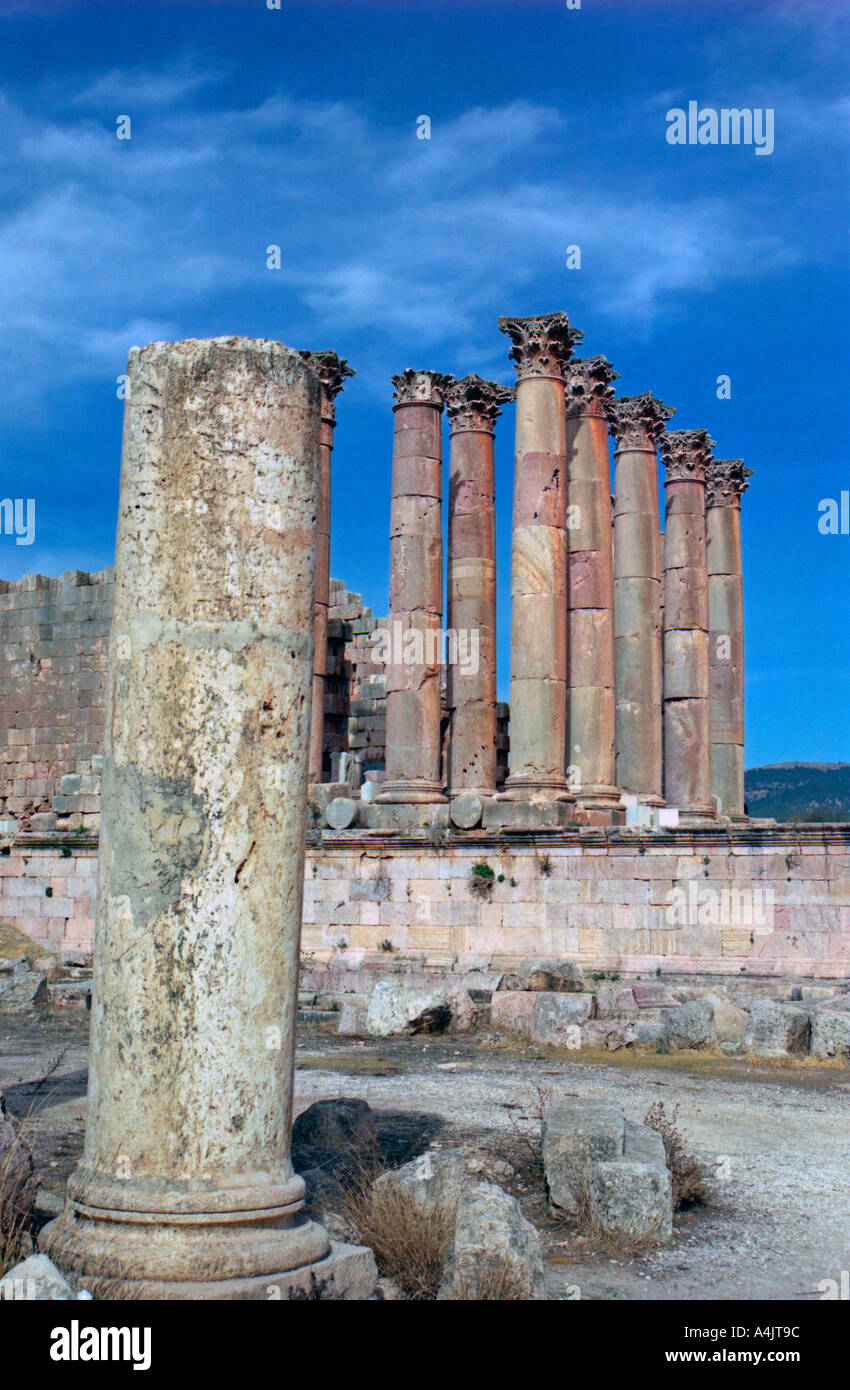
411,1240
497,1283
19,1186
686,1171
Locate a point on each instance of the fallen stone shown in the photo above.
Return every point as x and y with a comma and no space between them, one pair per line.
643,1145
612,1000
513,1012
24,991
36,1279
830,1033
558,1019
649,1032
466,811
336,1137
462,1009
575,1135
352,1016
609,1033
395,1009
481,985
341,813
633,1201
497,1253
778,1030
438,1176
730,1022
690,1027
72,955
652,994
551,976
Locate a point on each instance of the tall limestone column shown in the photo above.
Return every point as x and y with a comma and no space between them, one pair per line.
332,372
637,424
591,705
542,347
186,1188
687,733
726,482
413,757
473,408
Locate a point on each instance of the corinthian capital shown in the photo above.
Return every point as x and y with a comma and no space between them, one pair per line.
685,454
637,422
332,372
421,388
726,481
589,388
473,404
542,345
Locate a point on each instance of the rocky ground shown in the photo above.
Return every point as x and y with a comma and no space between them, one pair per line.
774,1138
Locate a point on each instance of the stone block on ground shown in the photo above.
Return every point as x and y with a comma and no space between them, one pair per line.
551,976
352,1016
830,1033
23,992
35,1279
558,1019
497,1253
513,1011
481,985
778,1030
334,1137
690,1027
613,1000
633,1200
437,1176
612,1034
643,1145
395,1010
652,994
576,1134
730,1022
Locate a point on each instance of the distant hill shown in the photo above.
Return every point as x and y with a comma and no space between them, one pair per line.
799,791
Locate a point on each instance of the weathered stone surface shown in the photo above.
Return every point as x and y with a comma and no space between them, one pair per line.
23,991
493,1243
643,1145
610,1033
576,1134
341,813
558,1019
830,1033
353,1012
527,815
612,1000
438,1176
690,1027
776,1030
634,1200
513,1011
396,1009
730,1022
649,1032
466,810
480,985
36,1278
652,994
553,976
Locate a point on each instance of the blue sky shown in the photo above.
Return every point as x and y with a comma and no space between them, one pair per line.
297,127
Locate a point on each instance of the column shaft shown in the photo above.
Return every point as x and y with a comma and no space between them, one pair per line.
687,779
637,423
186,1188
542,347
413,757
332,371
726,483
471,666
591,729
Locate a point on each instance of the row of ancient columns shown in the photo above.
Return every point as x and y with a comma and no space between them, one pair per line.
626,667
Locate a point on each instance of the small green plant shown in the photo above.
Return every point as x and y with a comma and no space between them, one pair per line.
481,880
387,945
545,866
658,970
598,975
66,853
81,830
500,878
513,883
48,892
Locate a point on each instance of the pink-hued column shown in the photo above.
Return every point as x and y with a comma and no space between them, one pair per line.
413,759
591,709
726,482
332,372
637,423
472,406
687,733
542,346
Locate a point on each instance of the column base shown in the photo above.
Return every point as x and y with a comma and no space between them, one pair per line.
651,799
415,792
598,797
697,815
529,787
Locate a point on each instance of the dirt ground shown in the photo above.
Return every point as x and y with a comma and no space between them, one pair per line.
775,1141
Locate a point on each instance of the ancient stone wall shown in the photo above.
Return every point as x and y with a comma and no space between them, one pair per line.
53,636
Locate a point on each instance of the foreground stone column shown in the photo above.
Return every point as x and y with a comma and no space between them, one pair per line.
637,423
413,757
186,1188
473,408
687,735
591,705
332,372
726,482
542,346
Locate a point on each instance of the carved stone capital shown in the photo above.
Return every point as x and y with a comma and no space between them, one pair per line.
726,481
589,388
332,372
637,422
421,388
542,344
473,404
685,454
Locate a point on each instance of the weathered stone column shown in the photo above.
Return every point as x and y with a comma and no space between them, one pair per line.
332,372
591,705
413,760
637,423
687,735
542,346
473,408
186,1188
726,482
